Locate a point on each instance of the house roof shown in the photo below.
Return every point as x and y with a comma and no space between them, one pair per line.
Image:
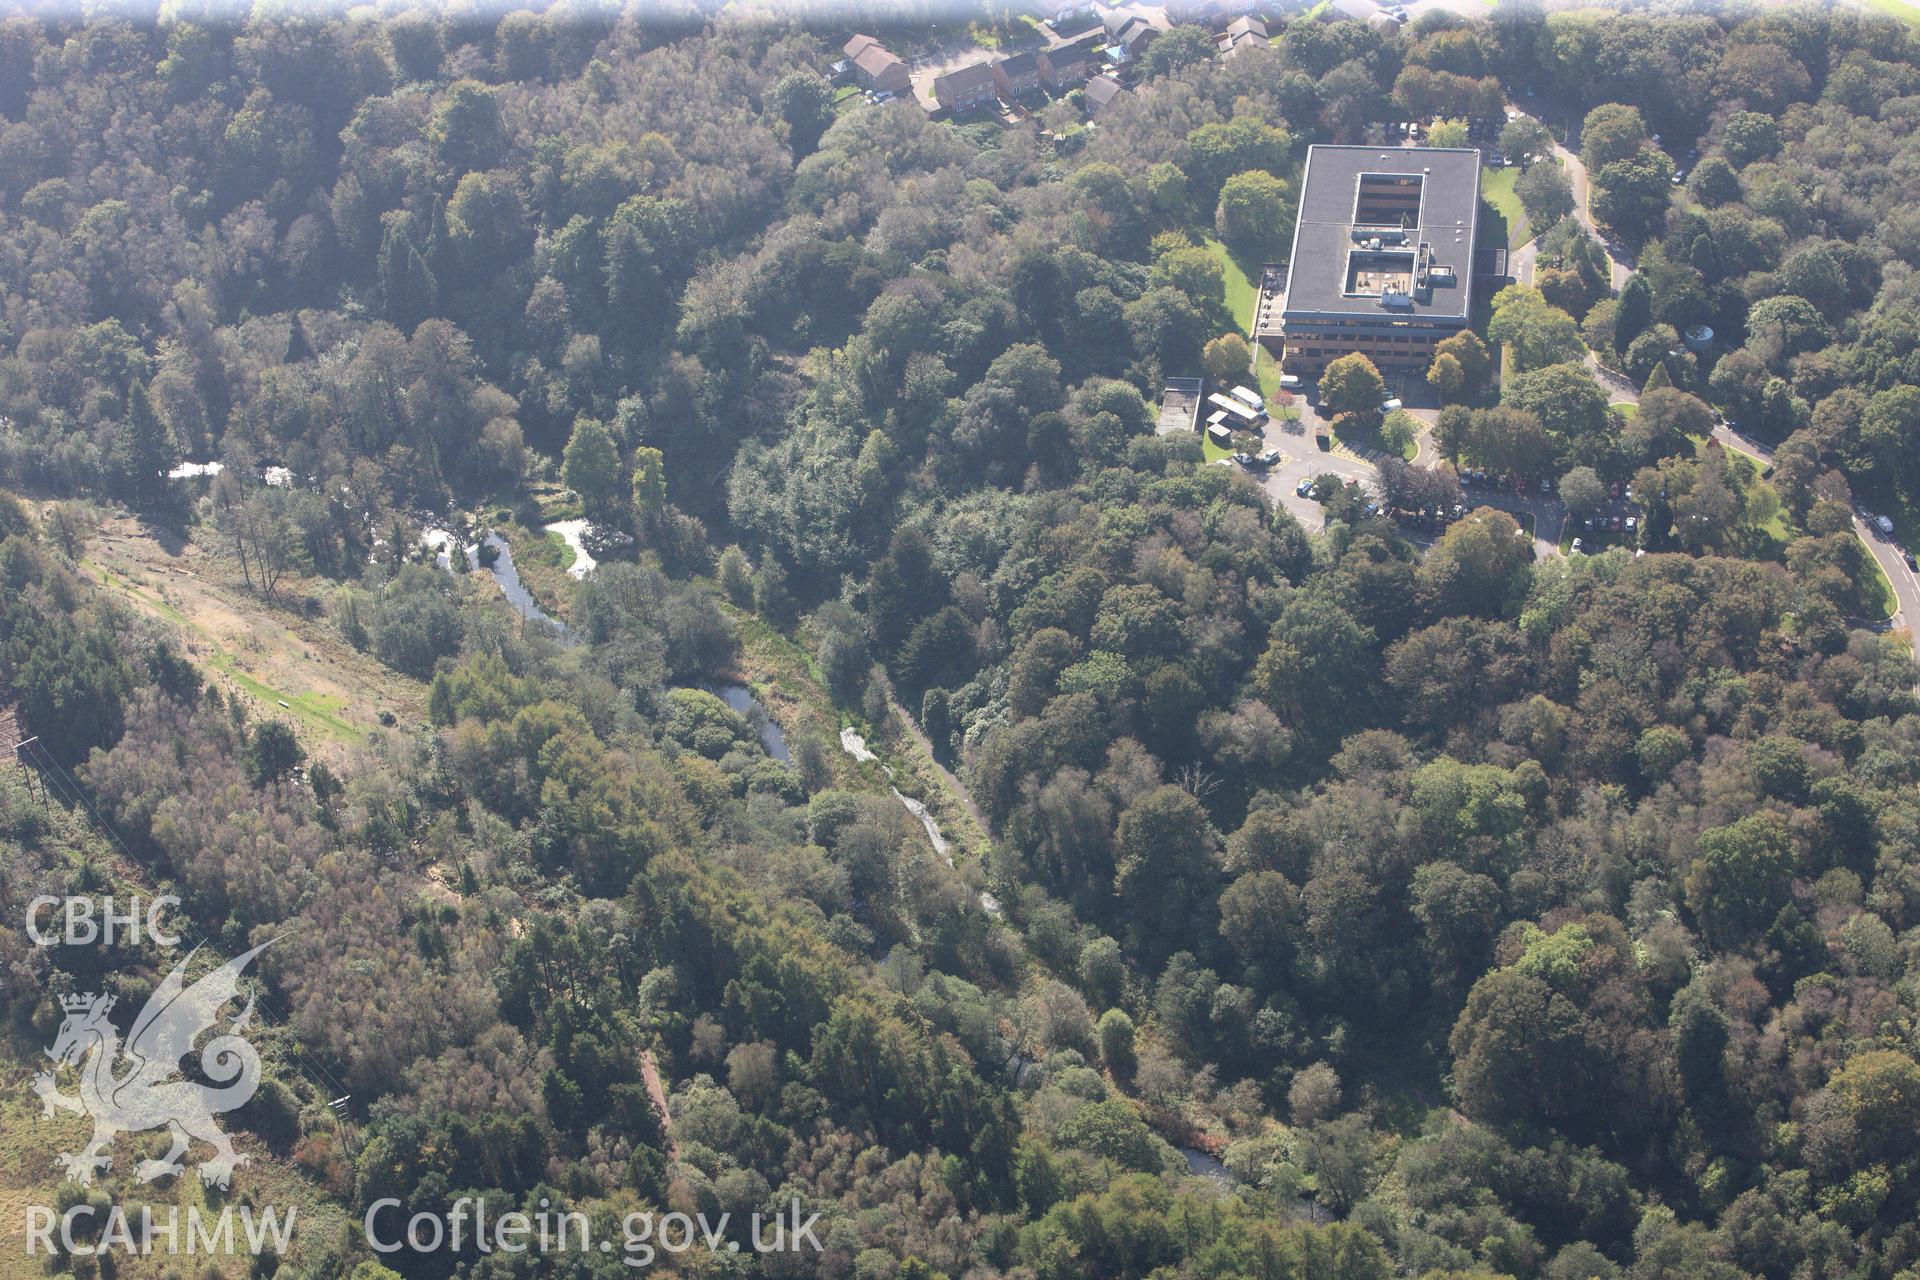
1024,63
1444,222
1248,26
1104,89
974,75
858,45
876,59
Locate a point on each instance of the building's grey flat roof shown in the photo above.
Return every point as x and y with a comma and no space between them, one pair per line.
1449,220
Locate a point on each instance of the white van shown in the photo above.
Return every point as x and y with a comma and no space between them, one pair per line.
1248,397
1289,380
1389,406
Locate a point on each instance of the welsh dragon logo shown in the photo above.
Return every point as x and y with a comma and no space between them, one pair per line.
139,1086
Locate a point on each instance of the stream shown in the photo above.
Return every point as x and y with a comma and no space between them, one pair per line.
1202,1165
856,746
505,576
741,699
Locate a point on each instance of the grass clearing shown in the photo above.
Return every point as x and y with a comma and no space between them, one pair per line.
1496,192
1626,409
1242,293
1896,9
1877,592
268,652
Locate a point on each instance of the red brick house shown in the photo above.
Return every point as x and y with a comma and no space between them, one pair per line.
875,67
1018,75
966,87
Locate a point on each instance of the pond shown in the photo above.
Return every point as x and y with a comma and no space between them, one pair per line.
1202,1165
573,532
508,579
741,699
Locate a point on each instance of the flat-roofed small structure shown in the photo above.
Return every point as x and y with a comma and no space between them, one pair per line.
1382,258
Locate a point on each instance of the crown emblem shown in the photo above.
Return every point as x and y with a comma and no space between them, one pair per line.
83,1003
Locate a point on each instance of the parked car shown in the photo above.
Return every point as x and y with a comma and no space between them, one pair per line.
1304,489
1579,547
1546,484
1912,563
1270,458
1616,524
1632,523
1244,459
1883,524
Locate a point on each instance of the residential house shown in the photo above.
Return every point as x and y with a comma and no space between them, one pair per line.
1351,10
1066,65
1241,33
1018,75
1102,93
1131,40
966,87
875,67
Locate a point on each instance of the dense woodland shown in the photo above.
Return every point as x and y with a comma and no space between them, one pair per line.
1485,917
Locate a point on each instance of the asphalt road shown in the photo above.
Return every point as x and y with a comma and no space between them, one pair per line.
1520,263
1302,459
1889,554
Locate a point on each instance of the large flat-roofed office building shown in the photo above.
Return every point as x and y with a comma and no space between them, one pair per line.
1382,256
